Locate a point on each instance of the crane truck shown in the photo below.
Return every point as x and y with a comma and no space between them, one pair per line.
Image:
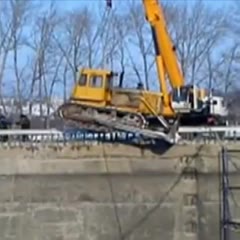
99,102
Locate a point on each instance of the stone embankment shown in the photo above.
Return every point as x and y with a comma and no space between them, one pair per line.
109,192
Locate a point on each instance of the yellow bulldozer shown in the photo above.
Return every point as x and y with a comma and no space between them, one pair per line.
98,100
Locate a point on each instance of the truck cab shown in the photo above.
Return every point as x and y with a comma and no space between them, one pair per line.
217,105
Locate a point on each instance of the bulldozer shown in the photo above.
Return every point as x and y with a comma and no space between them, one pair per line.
99,101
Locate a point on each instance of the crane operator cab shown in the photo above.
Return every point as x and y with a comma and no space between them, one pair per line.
184,99
189,99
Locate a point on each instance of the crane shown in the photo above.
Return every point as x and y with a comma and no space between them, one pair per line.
183,98
96,103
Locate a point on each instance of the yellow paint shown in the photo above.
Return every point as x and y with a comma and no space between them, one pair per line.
154,15
94,89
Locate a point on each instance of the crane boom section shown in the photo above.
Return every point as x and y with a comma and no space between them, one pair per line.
163,43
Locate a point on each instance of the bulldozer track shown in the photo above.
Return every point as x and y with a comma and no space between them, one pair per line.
93,119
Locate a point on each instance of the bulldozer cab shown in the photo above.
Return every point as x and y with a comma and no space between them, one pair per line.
93,85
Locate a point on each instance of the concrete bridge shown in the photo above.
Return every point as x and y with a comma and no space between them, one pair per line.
110,192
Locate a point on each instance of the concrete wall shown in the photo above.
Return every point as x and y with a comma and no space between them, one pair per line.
109,192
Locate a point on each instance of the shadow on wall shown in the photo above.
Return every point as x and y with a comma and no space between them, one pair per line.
157,147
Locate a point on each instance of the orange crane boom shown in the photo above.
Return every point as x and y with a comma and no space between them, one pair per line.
164,48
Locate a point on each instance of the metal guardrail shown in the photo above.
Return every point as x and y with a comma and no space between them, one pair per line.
53,135
55,131
14,132
209,129
188,134
223,133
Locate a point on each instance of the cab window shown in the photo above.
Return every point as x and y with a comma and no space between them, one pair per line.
82,80
96,81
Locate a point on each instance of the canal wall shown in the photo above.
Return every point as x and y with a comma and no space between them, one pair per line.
110,191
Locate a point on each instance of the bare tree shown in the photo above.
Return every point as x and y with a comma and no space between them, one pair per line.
45,57
234,23
109,41
140,40
87,41
70,40
20,11
229,69
5,44
197,31
12,18
95,30
121,31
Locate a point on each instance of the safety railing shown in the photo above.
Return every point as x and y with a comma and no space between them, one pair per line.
17,136
190,135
